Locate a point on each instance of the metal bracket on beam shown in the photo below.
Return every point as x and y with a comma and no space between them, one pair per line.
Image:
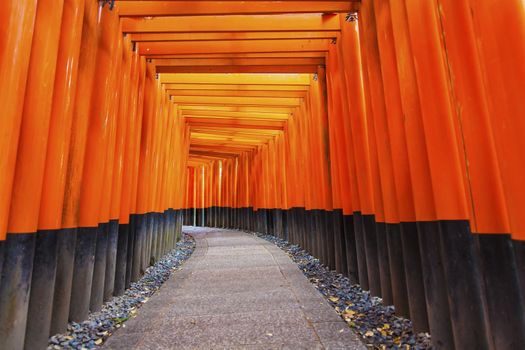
111,3
351,17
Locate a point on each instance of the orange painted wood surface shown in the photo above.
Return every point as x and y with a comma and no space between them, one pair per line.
139,109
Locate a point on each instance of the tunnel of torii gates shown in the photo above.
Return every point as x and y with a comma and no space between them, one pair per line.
386,137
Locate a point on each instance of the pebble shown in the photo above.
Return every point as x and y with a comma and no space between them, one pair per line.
377,324
100,325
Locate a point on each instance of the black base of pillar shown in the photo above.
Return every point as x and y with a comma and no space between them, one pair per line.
329,237
370,238
316,228
150,229
199,214
339,242
207,217
156,238
298,226
178,231
284,218
152,232
360,251
309,233
414,276
66,243
160,235
519,252
2,255
434,285
461,266
505,306
132,232
166,218
140,239
175,220
111,259
42,290
15,285
278,223
397,270
384,264
99,268
315,232
292,235
352,271
83,273
122,257
270,214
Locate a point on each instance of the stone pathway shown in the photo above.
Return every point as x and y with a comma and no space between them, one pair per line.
235,292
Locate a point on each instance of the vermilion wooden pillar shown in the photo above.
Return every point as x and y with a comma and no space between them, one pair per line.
71,207
15,284
97,144
362,195
17,29
458,252
493,143
122,171
105,211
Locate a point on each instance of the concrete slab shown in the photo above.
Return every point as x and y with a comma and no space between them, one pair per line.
336,335
235,292
277,299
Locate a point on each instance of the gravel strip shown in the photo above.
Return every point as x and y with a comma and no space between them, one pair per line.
100,325
376,323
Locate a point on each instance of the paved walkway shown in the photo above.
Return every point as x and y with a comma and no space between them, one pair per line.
235,292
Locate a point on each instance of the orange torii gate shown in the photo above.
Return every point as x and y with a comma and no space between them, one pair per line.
385,137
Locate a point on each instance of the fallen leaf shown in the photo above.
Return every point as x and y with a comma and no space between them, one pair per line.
98,341
349,313
334,299
120,319
369,334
